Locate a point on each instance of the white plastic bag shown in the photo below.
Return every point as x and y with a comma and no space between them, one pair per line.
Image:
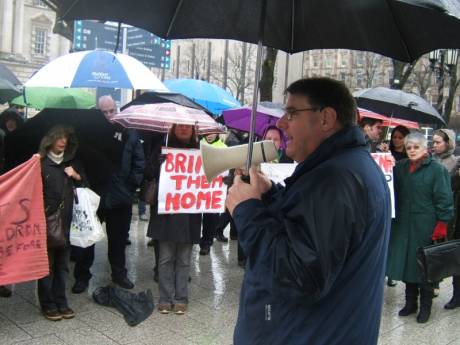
86,229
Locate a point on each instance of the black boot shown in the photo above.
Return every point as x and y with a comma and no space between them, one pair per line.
411,300
426,300
455,301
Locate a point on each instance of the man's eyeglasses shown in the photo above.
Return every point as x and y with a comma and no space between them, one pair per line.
290,113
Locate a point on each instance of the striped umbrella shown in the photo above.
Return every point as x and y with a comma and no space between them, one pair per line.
387,121
161,116
96,68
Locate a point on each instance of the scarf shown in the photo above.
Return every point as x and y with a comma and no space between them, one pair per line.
56,158
414,165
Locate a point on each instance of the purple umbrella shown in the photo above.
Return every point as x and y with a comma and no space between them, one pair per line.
240,118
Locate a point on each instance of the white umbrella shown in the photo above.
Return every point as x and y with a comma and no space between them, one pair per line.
96,68
160,117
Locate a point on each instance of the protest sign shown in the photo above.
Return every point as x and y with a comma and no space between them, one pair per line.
183,187
386,163
278,172
23,252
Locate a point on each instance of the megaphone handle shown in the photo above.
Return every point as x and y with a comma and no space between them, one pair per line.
246,178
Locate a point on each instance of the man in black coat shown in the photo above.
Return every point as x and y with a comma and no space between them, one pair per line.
125,171
316,248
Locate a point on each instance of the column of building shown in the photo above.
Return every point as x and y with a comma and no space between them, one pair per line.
6,33
18,29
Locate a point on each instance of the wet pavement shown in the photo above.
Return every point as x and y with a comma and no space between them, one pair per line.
214,296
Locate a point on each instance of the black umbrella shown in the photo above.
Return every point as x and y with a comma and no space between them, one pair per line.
7,91
394,28
7,74
93,131
399,104
153,97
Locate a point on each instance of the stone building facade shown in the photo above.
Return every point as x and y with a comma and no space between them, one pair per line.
27,41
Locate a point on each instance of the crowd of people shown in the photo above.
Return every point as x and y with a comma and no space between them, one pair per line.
426,185
311,249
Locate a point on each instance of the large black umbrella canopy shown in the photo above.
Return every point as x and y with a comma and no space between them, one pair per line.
394,28
93,131
399,104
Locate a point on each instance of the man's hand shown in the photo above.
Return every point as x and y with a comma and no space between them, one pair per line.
241,191
384,147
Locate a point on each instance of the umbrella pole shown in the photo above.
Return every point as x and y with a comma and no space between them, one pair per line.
255,95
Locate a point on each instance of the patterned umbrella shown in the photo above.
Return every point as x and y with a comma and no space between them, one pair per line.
387,121
161,116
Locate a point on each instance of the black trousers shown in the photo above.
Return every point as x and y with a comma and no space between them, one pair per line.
118,222
84,258
51,289
210,222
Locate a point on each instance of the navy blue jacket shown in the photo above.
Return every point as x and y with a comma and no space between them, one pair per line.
316,251
126,174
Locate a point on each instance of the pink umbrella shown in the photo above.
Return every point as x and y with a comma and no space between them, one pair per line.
387,121
160,117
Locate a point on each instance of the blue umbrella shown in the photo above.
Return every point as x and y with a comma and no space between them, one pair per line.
96,68
210,96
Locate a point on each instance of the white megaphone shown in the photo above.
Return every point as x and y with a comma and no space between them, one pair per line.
217,160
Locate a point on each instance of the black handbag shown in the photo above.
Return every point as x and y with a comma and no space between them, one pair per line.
56,237
439,261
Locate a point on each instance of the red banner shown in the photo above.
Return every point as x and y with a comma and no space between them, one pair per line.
23,253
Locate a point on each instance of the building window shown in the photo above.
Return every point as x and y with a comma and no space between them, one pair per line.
344,59
328,61
40,3
40,36
359,59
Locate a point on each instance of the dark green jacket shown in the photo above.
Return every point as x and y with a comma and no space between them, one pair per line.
422,198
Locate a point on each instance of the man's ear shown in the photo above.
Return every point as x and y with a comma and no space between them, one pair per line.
329,119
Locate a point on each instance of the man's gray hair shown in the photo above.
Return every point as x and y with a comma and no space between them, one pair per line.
416,138
104,98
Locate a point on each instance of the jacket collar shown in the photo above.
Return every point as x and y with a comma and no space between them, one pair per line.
349,137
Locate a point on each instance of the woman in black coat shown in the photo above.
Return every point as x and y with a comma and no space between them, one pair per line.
60,173
176,235
397,147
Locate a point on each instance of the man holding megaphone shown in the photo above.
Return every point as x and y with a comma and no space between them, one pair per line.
315,248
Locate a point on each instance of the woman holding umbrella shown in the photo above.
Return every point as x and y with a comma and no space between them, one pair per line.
424,205
176,235
443,148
